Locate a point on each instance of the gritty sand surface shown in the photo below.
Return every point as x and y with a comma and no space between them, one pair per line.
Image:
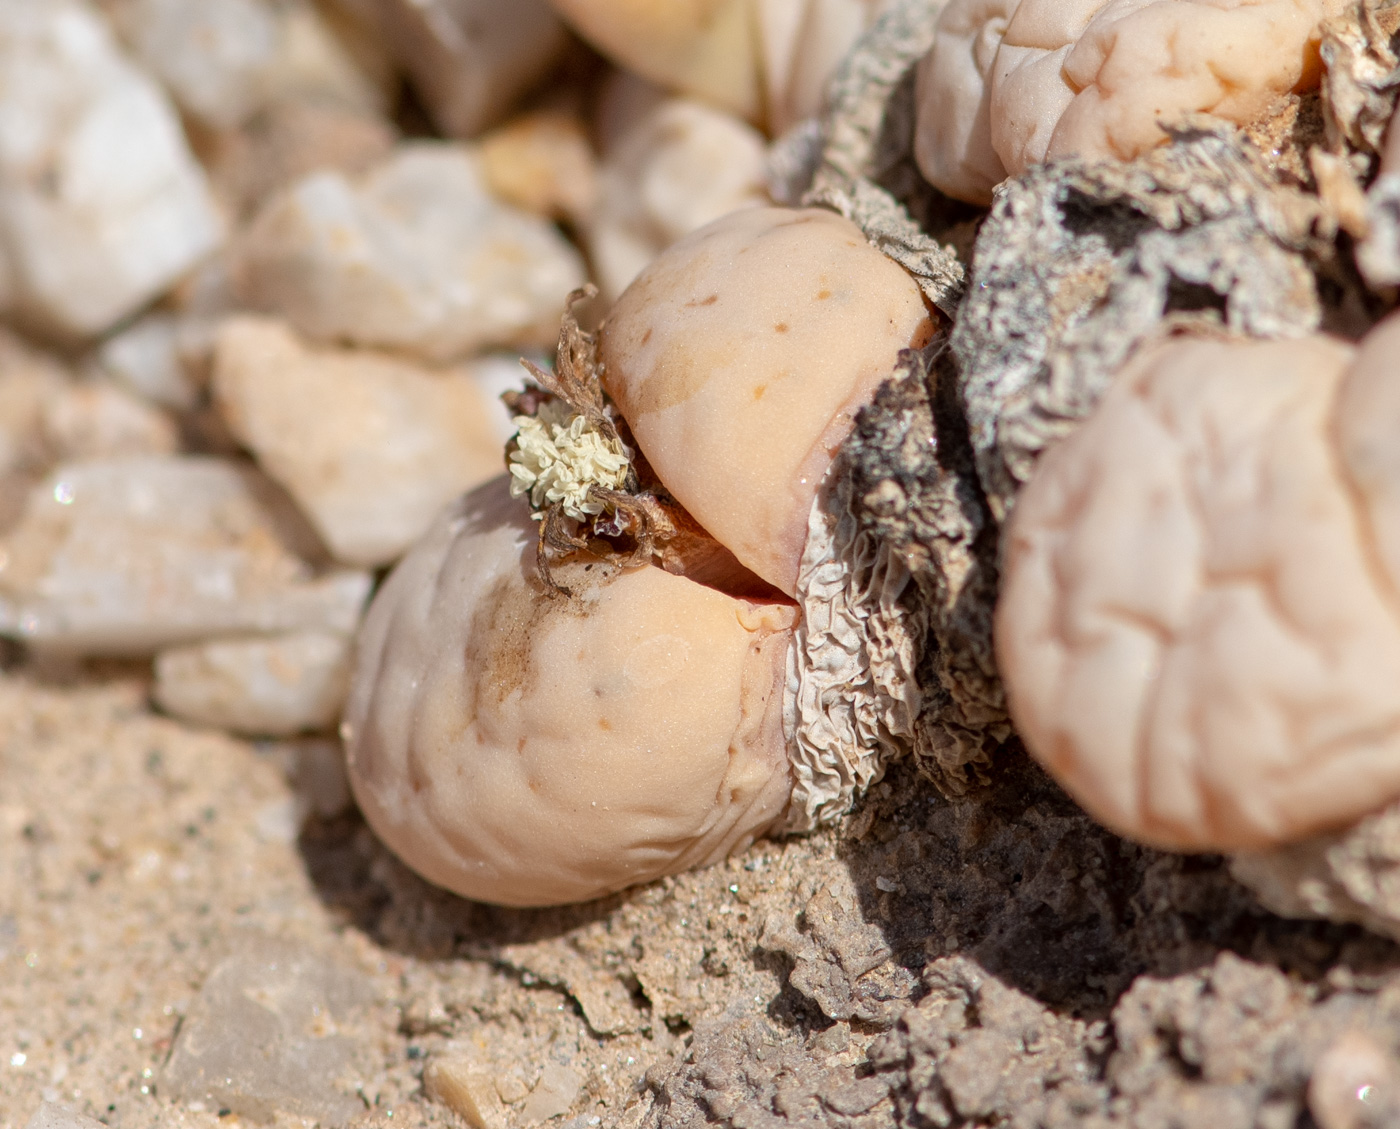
993,961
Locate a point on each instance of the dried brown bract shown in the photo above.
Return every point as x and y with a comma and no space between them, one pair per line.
589,487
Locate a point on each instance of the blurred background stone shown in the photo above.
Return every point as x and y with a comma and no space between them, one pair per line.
162,358
97,419
274,686
370,446
270,1033
102,205
542,163
415,256
127,556
469,59
675,168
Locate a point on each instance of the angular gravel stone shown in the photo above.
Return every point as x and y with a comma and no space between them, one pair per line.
371,447
160,358
289,140
553,1094
101,205
127,556
268,1034
680,166
224,60
96,419
51,1116
270,687
471,59
415,256
215,56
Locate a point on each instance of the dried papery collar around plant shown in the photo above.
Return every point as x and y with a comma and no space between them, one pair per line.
585,479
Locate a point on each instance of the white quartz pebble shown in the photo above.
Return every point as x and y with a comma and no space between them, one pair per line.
370,446
160,358
415,256
213,56
96,419
52,1116
223,60
102,206
678,167
471,59
127,556
272,687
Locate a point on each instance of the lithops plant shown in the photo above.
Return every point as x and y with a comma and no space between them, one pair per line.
739,359
766,60
540,716
1197,624
1009,84
1134,425
525,750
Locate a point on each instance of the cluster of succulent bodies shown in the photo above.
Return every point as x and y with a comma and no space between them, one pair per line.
701,629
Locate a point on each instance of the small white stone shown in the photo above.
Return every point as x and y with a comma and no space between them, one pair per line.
213,56
415,256
160,358
680,166
28,380
471,59
102,206
51,1116
271,687
95,419
128,556
223,60
553,1094
273,1031
371,447
289,140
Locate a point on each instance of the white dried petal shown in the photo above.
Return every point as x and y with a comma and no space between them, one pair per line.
559,459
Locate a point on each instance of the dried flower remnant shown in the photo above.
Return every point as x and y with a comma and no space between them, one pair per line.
559,460
569,458
1018,83
1196,624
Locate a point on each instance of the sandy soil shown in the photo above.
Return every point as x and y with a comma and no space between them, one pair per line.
999,960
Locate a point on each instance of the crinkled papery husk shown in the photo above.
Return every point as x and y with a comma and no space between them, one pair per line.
867,170
851,698
1077,264
1347,876
894,653
1363,80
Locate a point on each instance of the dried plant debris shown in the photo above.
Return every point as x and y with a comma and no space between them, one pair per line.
904,547
1008,962
1360,81
1078,264
1348,875
582,477
867,170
